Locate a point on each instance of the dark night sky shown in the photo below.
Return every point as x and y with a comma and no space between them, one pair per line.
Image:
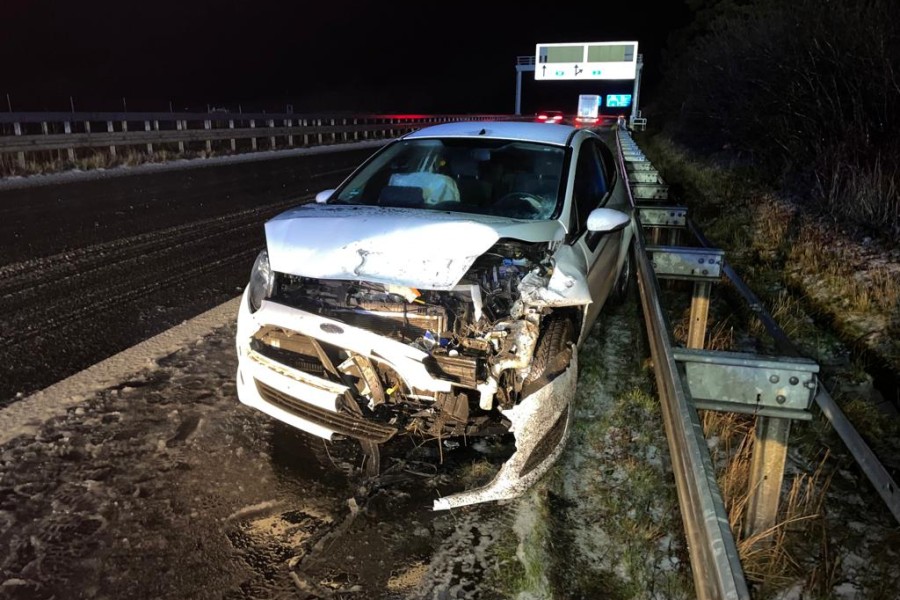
332,55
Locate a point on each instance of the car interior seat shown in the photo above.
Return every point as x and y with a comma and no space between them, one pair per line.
473,190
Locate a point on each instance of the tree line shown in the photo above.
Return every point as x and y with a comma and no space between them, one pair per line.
807,91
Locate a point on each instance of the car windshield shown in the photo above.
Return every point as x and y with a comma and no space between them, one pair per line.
508,178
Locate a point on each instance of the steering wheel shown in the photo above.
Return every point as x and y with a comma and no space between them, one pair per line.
529,205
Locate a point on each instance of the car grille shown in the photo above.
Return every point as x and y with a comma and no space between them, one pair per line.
409,324
342,423
296,360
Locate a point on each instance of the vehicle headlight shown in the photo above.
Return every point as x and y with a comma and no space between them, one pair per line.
262,281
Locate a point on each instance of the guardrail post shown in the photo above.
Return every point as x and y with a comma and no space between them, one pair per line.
766,475
366,131
253,139
147,129
272,137
207,125
355,129
233,144
180,127
699,314
17,128
112,147
289,123
67,127
305,136
320,131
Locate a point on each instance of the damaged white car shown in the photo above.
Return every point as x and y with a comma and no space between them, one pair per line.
442,291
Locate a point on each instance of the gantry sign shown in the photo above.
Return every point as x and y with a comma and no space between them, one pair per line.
572,61
591,60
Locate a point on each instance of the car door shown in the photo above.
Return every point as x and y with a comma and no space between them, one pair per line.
601,250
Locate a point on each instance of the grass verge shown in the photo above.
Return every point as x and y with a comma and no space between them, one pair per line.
837,298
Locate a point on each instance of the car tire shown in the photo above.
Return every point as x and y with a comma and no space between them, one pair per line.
624,282
552,353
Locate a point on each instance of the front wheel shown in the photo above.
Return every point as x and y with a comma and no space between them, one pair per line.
624,281
552,354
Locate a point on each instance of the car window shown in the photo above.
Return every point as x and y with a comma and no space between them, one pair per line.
609,164
590,187
508,178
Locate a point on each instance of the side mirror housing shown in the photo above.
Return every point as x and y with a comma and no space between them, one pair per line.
323,196
605,220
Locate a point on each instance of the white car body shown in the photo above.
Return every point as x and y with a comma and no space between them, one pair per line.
415,298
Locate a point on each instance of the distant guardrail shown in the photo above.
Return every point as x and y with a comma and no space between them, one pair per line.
28,134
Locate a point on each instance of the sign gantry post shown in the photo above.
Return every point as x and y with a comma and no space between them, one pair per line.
523,63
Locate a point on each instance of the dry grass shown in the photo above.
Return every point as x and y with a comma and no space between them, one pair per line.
786,310
93,160
477,473
719,333
776,557
835,279
863,287
773,223
868,194
773,559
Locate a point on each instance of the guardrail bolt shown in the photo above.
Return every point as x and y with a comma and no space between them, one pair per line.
780,399
794,380
774,378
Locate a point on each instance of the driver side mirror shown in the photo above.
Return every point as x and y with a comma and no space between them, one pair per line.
606,220
323,196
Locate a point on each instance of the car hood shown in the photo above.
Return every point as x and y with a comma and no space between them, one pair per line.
411,247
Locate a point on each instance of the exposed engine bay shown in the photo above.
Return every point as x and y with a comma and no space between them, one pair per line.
480,336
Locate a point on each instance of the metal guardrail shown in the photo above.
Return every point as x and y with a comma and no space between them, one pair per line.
877,474
715,563
34,133
784,387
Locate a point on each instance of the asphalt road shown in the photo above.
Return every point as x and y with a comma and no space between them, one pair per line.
166,487
90,268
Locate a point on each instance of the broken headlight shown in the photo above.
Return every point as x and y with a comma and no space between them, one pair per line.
262,281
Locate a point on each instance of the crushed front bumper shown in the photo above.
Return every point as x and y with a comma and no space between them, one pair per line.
540,422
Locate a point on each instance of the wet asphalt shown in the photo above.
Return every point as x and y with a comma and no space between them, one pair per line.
166,487
90,268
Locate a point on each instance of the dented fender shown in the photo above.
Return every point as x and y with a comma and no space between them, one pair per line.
566,286
533,420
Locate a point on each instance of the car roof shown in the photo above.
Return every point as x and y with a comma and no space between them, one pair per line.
558,135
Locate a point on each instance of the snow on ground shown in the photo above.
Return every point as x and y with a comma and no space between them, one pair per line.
75,175
156,482
605,523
